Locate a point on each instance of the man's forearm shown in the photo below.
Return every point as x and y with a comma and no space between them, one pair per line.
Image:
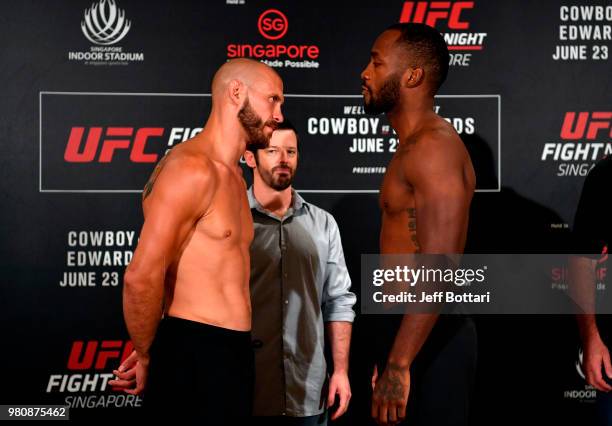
339,335
411,336
587,326
582,272
142,309
415,327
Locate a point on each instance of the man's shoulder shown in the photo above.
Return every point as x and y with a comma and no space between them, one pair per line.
437,154
188,170
184,180
434,146
437,137
189,161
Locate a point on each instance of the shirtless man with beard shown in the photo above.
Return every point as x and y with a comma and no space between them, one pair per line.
425,199
191,266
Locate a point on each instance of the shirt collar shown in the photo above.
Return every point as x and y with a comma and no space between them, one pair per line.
297,202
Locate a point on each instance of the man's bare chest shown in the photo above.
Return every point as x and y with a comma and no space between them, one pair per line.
396,192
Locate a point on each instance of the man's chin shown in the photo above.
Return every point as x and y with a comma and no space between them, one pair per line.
282,183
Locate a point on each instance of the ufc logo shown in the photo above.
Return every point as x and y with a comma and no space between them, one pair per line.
114,138
430,13
97,355
590,124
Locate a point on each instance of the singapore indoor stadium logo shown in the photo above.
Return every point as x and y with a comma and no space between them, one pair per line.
582,392
105,23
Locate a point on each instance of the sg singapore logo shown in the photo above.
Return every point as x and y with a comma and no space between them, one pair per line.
273,24
105,23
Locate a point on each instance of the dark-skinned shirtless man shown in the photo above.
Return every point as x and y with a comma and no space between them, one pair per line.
425,199
191,264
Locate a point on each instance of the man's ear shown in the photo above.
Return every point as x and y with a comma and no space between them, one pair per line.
236,91
413,77
249,158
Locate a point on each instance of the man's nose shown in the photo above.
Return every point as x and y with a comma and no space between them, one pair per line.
278,115
365,75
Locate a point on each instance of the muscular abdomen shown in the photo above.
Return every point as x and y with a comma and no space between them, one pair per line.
211,274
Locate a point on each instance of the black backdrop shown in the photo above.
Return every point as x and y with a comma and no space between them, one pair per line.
82,123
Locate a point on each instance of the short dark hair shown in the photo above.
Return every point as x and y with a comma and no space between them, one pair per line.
286,124
426,48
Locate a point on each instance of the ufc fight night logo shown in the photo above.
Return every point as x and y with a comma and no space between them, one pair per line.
86,385
452,20
93,356
586,136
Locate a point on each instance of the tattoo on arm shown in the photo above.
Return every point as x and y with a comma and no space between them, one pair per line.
392,388
412,226
149,185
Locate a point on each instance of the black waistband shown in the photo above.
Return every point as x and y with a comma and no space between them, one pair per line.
202,330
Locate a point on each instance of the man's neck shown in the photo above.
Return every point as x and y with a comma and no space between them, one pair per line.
223,143
408,117
276,202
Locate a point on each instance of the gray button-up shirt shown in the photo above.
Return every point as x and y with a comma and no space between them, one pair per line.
298,281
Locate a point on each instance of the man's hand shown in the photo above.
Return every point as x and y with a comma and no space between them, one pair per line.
390,395
339,385
131,375
596,354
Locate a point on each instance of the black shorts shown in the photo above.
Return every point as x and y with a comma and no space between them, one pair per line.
199,373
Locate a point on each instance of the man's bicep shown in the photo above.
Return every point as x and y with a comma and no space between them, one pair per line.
442,206
172,210
163,231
